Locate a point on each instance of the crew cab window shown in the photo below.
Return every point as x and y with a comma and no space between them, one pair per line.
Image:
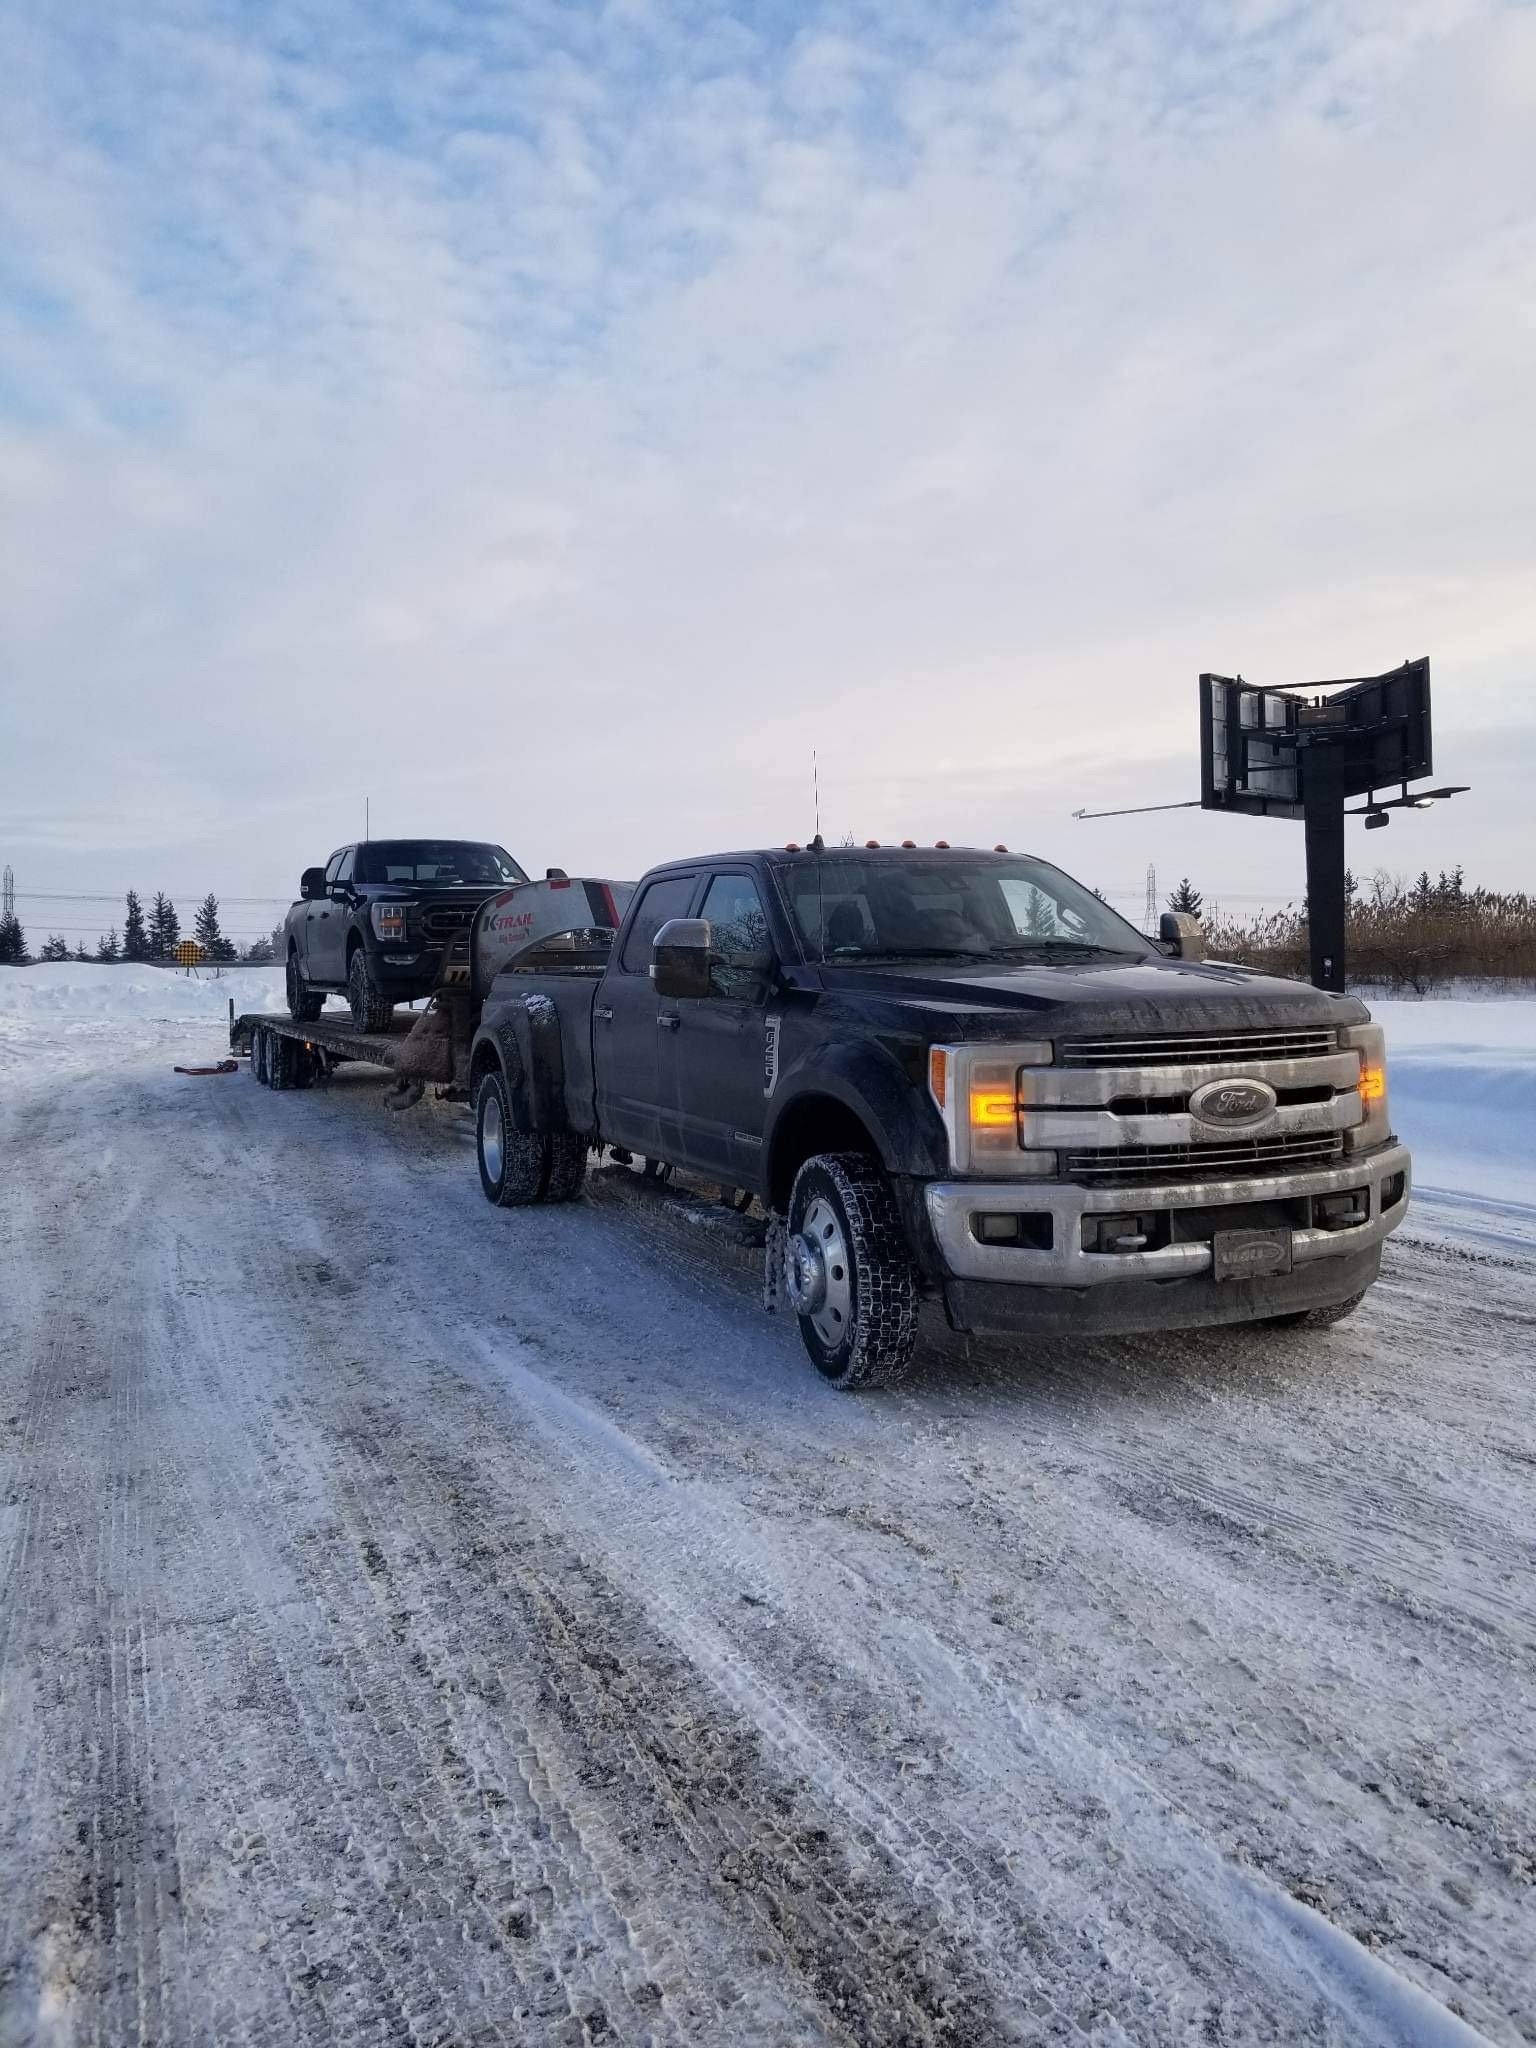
663,900
738,935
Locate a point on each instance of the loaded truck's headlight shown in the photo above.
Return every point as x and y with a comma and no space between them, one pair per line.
389,920
979,1092
1375,1125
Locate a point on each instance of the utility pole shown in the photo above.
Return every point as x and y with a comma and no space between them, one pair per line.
1149,918
7,894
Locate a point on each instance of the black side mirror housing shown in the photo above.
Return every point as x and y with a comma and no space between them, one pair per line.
680,959
1181,935
312,883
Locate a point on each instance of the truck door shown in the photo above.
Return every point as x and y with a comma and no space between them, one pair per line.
317,923
329,930
634,1042
721,1096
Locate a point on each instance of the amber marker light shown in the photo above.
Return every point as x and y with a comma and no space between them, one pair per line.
1373,1083
938,1074
992,1108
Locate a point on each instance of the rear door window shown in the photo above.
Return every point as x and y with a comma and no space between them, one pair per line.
662,901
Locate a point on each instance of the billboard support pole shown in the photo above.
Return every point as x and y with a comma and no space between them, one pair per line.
1323,821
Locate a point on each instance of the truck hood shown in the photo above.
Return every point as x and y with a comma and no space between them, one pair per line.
1099,996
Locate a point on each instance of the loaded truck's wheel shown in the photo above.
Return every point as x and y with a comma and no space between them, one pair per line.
1314,1318
304,1003
514,1164
848,1273
371,1011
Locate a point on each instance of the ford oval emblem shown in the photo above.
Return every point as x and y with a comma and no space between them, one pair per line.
1233,1104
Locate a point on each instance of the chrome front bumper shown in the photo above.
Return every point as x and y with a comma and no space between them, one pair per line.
952,1204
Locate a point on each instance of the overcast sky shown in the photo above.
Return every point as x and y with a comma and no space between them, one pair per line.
555,421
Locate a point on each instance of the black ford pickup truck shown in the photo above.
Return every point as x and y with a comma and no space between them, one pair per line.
954,1073
376,921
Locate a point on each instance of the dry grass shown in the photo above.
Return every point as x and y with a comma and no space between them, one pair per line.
1419,937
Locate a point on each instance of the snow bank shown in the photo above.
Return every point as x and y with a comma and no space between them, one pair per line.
1463,1082
77,989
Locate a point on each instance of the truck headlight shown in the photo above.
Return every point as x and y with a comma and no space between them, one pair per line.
978,1092
389,920
1375,1125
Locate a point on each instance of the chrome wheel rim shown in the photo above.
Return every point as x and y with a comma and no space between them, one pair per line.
818,1273
490,1139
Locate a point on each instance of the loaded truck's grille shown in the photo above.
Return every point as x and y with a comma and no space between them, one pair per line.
446,918
1227,1160
1199,1049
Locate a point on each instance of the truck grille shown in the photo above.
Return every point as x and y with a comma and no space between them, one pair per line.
1113,1165
443,919
1198,1049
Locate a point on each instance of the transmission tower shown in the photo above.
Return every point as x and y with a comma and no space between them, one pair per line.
7,894
1149,917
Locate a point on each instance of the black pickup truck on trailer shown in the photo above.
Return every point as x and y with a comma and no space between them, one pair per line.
953,1073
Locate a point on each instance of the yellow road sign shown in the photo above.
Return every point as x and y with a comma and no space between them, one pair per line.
190,954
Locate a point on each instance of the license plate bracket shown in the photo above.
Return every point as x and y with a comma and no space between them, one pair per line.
1250,1254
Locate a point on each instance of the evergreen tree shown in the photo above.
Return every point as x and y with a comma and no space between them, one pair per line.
1186,897
55,947
106,946
135,937
13,942
1423,892
80,952
164,928
206,930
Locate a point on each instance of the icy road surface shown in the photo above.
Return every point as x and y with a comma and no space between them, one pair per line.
427,1624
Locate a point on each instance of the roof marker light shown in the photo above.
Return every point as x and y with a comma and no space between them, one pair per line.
791,846
909,844
999,848
942,845
873,845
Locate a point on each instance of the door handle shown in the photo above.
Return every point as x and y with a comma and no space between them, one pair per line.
668,1020
602,1013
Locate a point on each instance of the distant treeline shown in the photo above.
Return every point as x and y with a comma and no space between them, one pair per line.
1419,935
146,936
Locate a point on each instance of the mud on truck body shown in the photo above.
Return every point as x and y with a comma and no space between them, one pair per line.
956,1074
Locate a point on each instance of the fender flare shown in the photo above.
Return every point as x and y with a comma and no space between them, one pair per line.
870,1083
525,1039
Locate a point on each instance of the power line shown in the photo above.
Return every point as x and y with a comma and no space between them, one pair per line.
117,896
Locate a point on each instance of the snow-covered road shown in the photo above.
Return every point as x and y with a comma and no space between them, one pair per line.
425,1623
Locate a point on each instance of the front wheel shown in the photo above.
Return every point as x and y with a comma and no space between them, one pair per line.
848,1272
304,1003
371,1011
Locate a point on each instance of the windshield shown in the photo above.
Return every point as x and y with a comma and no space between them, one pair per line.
444,861
990,906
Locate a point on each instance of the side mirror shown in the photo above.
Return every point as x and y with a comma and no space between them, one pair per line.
312,883
1181,935
680,958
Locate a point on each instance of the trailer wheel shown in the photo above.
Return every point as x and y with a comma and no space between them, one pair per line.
848,1272
279,1061
567,1167
514,1164
259,1054
304,1003
371,1011
1314,1318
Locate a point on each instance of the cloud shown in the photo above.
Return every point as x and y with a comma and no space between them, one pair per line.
558,425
